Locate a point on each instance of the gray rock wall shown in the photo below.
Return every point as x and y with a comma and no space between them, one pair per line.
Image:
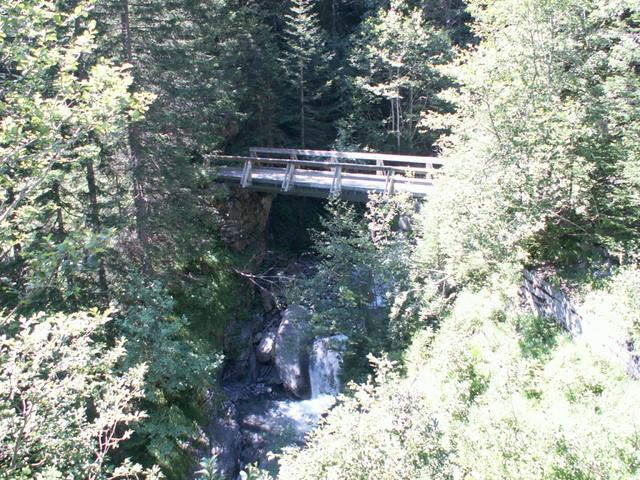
546,300
244,217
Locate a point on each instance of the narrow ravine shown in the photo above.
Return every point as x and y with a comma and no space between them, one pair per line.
283,378
293,380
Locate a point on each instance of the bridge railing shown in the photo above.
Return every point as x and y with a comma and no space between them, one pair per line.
379,159
395,168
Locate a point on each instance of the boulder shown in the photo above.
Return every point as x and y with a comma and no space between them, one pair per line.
264,351
225,439
291,350
268,301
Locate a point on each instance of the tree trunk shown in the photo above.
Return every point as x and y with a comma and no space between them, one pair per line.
410,129
59,223
398,113
94,219
334,29
16,248
398,120
135,162
60,235
302,109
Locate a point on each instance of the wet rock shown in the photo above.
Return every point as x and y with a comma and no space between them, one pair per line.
291,350
226,439
268,301
268,374
264,352
241,364
249,455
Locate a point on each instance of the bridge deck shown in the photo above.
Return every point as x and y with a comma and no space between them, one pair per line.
318,180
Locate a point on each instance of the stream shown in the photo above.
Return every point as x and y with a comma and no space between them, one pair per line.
273,420
276,390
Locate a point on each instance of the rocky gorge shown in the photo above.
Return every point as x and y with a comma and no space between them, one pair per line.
275,390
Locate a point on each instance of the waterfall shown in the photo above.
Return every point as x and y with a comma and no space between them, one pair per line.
325,363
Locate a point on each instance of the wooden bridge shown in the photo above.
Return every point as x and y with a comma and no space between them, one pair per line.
328,173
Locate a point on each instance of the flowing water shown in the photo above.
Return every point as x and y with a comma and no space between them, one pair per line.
325,363
270,423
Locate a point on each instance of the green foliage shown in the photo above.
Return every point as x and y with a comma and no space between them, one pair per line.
541,167
381,432
66,404
305,61
395,58
345,271
180,369
545,133
363,274
208,469
252,472
61,109
492,394
616,303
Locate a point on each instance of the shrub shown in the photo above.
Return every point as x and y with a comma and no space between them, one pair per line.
65,403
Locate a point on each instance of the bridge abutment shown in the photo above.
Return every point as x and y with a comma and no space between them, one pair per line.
244,215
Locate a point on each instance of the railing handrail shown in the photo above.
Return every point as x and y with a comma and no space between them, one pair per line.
378,157
314,163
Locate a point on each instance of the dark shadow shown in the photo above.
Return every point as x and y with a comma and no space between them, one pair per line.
291,221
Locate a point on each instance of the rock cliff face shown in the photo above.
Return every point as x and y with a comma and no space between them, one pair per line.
291,350
244,217
545,300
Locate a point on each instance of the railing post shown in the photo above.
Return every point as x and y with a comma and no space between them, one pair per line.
288,181
388,183
379,163
336,184
245,181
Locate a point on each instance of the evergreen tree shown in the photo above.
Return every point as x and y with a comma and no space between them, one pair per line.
306,65
545,141
452,16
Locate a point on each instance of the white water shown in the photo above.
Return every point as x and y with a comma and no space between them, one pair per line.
279,423
325,364
303,415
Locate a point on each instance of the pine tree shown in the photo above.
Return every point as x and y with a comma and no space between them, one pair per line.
306,64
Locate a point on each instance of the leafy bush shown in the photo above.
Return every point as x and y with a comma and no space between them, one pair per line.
383,431
616,305
66,405
492,394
